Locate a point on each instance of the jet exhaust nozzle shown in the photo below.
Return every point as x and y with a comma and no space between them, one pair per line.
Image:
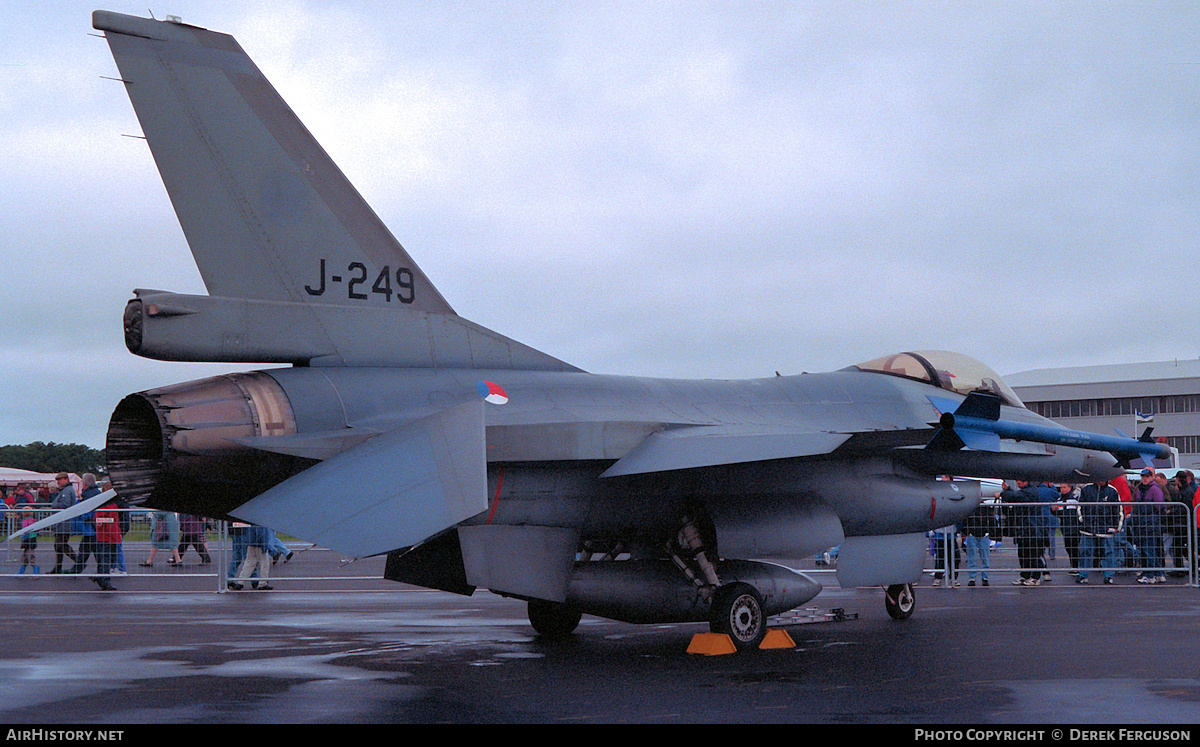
179,447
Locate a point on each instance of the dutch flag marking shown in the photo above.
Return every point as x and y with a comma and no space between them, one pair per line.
491,392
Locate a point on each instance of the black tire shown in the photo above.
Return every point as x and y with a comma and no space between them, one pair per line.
737,611
553,619
900,600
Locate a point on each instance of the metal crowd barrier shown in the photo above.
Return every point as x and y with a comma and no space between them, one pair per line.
1152,541
137,543
947,557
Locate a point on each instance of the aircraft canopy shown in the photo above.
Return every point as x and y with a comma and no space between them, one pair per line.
951,371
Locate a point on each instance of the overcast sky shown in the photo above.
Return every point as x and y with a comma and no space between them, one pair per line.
693,190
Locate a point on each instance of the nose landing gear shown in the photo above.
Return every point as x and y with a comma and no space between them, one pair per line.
900,600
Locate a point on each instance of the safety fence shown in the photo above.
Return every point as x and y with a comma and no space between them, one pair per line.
209,559
1034,544
1002,544
1040,544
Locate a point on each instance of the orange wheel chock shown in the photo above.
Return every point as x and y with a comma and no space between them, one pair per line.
777,638
711,644
717,644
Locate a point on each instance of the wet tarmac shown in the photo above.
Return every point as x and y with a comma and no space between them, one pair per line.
334,643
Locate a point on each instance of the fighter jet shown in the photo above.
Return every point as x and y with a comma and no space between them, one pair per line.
391,425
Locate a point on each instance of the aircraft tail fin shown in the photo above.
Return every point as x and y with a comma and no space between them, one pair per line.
266,212
298,267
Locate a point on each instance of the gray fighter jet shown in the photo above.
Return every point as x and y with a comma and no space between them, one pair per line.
395,426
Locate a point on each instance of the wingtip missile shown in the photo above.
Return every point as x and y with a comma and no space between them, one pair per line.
976,424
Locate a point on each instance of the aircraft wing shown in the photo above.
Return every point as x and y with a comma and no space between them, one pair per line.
392,491
689,447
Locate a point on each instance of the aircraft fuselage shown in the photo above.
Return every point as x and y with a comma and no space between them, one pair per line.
211,445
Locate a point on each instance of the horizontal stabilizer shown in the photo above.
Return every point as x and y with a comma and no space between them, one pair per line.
182,327
689,447
96,501
390,492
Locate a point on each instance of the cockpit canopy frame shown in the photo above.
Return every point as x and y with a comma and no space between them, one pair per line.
947,370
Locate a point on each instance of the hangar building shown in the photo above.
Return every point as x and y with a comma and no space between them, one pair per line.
1124,397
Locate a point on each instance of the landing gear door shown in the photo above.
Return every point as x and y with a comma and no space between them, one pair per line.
881,561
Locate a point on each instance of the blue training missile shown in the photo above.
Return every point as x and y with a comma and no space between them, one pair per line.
976,424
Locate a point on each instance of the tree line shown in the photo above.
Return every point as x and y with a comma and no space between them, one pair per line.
51,457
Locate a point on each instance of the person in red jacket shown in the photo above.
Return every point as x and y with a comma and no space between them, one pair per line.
108,539
1126,552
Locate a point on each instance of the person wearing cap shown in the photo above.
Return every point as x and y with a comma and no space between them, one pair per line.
63,499
1147,528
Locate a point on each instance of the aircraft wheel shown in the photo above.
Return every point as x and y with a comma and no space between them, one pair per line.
552,619
737,611
900,600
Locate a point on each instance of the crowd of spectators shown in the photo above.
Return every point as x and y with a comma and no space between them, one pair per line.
102,530
1144,529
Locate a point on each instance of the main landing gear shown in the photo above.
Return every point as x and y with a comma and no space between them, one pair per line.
737,611
900,600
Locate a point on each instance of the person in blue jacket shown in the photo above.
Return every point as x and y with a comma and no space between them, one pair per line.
258,558
85,526
1048,526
